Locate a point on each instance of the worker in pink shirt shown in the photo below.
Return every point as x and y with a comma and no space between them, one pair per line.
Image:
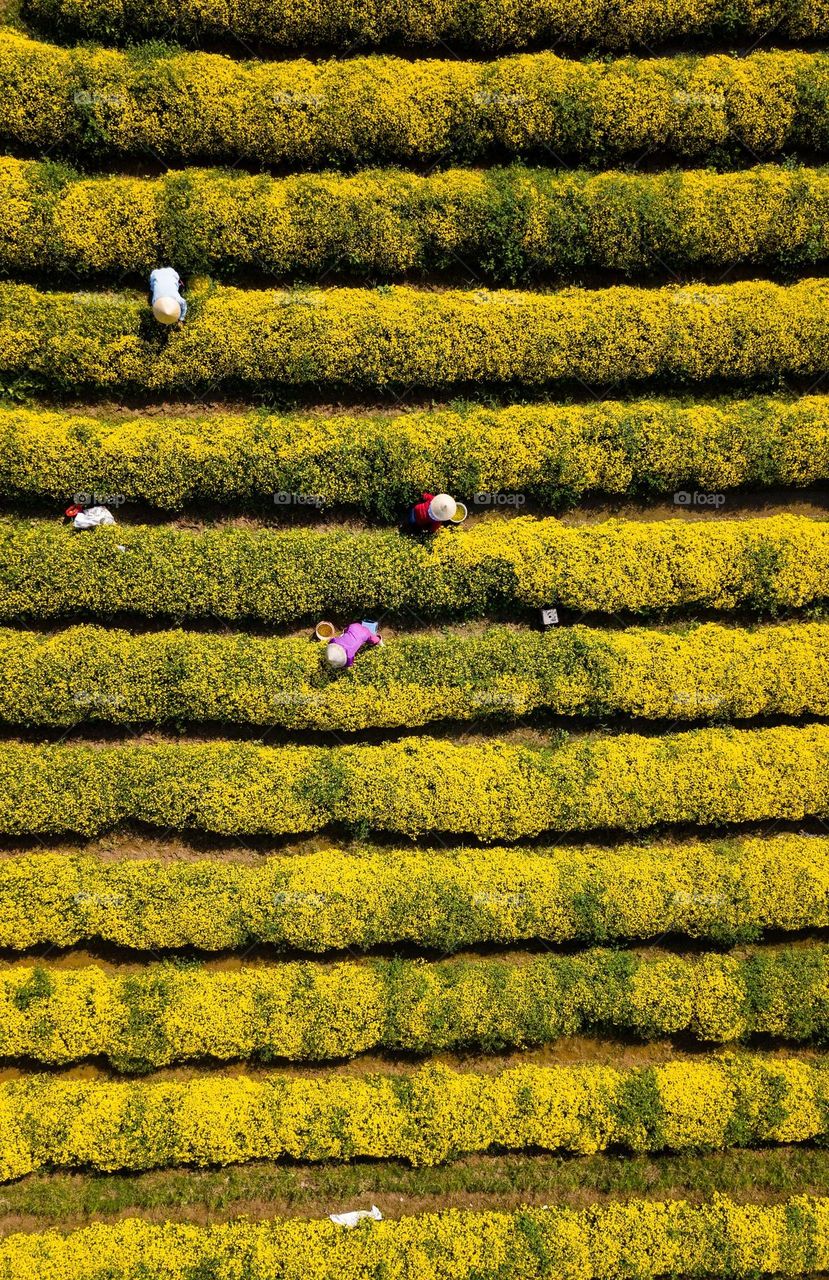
342,651
433,511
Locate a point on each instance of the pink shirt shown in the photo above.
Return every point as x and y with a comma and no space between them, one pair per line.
353,639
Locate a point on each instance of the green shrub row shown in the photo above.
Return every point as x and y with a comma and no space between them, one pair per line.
379,463
493,790
722,891
484,24
370,339
309,1011
509,224
379,110
232,572
708,672
426,1117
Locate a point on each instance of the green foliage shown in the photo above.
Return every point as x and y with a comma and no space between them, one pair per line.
35,990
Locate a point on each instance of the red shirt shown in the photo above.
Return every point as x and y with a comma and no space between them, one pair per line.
421,517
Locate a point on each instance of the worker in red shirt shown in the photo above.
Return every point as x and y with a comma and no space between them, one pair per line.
432,512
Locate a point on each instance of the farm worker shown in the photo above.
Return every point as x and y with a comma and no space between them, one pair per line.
88,517
433,510
165,295
342,651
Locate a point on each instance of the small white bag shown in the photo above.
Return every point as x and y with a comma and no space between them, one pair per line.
356,1215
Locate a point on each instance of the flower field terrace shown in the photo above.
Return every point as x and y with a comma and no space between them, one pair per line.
517,932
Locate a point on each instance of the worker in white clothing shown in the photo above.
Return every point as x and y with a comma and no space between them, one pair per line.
165,296
82,518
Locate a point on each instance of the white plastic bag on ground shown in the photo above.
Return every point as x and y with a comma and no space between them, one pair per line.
93,517
356,1215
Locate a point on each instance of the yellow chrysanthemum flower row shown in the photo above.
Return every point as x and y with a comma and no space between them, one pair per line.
164,1014
489,789
723,891
492,458
704,672
640,1240
507,224
390,110
495,566
484,24
372,339
428,1116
